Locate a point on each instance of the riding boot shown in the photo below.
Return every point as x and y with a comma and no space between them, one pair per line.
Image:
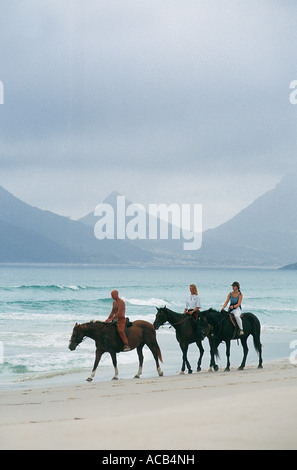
194,322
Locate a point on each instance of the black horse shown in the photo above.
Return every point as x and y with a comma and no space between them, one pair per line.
186,333
218,327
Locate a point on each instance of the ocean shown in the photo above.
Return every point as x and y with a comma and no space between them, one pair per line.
39,306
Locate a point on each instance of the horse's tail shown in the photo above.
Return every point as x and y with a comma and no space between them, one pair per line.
159,352
151,339
256,332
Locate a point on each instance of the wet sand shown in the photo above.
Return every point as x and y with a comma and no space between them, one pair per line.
250,409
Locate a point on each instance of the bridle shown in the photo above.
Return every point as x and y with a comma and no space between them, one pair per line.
182,321
211,328
175,323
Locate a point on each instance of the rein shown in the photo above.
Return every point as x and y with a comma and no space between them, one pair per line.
183,320
170,320
219,325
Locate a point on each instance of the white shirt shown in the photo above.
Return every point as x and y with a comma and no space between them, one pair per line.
193,301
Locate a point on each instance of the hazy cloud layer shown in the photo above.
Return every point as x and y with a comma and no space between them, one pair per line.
163,101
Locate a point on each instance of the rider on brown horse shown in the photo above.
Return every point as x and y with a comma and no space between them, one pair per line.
118,313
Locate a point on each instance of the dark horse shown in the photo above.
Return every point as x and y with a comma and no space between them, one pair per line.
107,339
218,327
186,333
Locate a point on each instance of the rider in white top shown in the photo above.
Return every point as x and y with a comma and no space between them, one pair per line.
193,304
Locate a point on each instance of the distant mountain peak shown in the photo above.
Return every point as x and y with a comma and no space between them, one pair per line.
112,199
112,196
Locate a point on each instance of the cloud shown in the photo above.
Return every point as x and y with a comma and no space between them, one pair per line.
140,94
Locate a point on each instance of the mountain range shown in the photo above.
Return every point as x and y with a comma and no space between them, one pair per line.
263,234
32,235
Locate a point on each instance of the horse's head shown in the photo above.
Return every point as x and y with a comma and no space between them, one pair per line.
203,327
76,337
161,317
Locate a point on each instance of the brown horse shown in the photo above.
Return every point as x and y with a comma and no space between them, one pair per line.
107,339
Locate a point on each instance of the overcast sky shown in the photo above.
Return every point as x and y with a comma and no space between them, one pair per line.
182,101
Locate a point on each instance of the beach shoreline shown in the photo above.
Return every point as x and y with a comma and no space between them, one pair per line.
276,347
250,409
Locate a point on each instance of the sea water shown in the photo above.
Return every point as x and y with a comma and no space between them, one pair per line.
39,306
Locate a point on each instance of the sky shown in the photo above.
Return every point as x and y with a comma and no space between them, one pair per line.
163,101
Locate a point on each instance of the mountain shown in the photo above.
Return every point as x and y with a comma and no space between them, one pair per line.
111,199
263,234
290,266
163,251
29,234
19,245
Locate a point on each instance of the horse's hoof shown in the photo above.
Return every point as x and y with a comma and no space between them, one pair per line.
227,369
114,378
198,369
216,368
190,371
161,374
136,376
240,368
181,373
89,379
260,366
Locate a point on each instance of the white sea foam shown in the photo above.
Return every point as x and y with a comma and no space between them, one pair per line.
38,314
151,302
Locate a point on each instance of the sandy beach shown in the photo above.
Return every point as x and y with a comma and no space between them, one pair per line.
250,409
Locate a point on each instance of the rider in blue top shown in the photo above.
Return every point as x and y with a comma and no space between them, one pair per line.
235,299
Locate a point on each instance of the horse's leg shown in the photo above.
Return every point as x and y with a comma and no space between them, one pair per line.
199,344
245,352
115,365
213,353
228,343
212,364
182,371
97,359
184,349
259,349
140,357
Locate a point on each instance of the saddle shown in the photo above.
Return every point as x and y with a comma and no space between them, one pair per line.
234,323
128,324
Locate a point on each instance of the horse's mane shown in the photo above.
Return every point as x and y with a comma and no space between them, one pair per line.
176,313
101,323
94,322
212,310
213,314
